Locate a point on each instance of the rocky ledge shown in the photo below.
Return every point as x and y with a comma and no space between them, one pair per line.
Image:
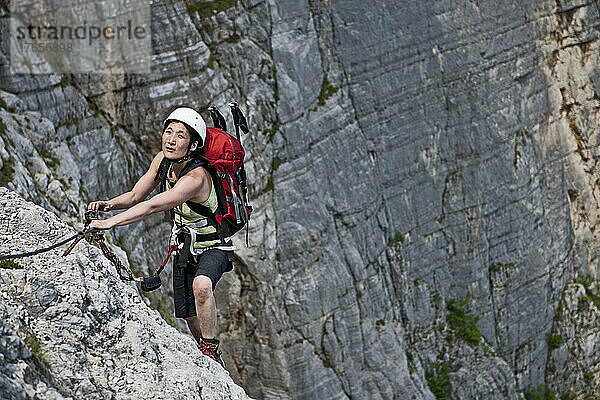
69,328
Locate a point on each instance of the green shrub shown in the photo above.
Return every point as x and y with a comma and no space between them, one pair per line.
461,322
271,132
554,340
398,238
559,312
208,8
437,380
594,298
568,395
275,163
590,297
541,393
586,280
67,80
270,184
51,160
327,90
10,264
94,107
496,267
35,346
583,302
33,343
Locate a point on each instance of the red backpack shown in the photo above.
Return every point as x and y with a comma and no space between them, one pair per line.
223,158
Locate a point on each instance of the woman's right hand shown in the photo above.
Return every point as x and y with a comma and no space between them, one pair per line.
100,205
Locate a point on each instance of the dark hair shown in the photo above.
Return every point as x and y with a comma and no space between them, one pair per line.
194,137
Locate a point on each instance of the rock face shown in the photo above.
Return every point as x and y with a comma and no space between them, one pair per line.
70,329
404,158
573,341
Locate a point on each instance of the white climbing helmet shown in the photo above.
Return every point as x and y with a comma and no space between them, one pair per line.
190,117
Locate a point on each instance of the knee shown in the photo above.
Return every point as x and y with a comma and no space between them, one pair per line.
202,289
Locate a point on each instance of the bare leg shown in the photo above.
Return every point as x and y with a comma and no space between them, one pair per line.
206,308
193,324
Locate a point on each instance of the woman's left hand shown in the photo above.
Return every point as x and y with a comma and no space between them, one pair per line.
101,224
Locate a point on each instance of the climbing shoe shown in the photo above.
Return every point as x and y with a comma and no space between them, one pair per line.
210,348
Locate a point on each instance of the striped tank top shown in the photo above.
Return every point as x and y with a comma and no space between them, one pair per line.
184,215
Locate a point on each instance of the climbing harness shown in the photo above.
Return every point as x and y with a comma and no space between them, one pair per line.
93,235
188,230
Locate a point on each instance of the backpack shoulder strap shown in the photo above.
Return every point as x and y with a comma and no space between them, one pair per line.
163,170
199,208
193,164
165,164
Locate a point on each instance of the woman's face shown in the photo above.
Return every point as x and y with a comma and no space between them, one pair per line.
175,141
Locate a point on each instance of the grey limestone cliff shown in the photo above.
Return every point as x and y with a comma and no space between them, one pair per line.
424,178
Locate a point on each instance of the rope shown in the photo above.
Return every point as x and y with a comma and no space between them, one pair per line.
45,249
98,236
124,273
162,266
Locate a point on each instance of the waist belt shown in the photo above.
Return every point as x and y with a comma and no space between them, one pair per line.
225,245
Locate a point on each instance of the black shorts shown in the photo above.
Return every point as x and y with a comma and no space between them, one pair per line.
212,264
